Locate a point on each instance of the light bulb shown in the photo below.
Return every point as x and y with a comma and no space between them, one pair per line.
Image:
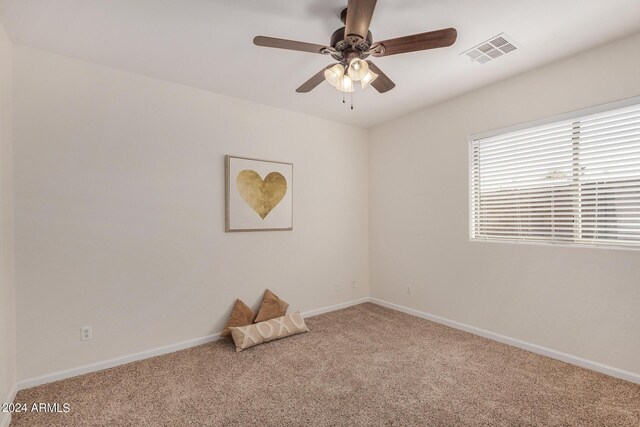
345,85
368,79
334,74
358,69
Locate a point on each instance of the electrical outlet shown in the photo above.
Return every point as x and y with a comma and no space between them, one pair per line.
337,288
86,333
353,284
408,289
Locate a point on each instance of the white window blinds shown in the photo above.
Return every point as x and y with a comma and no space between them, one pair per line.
573,181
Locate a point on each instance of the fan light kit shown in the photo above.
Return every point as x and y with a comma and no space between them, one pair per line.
357,71
352,44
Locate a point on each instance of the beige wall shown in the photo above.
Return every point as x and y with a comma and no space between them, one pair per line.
584,302
7,288
119,183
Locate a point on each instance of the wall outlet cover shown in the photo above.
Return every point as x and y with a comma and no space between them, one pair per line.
86,333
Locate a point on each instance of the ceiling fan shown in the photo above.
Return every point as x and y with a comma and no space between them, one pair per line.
352,44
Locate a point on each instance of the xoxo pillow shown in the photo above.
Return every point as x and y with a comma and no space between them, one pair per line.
269,330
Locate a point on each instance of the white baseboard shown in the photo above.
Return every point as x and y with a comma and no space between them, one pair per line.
105,364
340,306
5,417
568,358
98,366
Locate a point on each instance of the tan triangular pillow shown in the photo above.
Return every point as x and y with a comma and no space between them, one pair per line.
271,307
241,315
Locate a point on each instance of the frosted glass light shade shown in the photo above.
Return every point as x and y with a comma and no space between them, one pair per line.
368,79
345,85
334,75
358,69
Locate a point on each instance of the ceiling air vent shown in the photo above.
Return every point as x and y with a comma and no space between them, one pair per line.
491,49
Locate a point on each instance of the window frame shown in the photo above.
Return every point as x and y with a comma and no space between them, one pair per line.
571,115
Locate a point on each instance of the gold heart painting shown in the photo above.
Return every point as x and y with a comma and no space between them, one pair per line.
262,195
258,195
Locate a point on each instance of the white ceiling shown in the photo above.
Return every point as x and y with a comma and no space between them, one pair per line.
208,43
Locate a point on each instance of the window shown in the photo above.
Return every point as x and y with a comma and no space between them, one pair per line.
574,180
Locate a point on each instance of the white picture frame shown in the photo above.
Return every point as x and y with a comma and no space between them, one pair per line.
258,194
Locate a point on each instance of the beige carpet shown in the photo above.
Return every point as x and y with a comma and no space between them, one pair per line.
365,366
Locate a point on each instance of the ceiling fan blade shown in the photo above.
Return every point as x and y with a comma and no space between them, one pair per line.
314,81
383,83
288,44
359,13
415,42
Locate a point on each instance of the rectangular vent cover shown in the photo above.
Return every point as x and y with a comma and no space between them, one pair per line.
493,48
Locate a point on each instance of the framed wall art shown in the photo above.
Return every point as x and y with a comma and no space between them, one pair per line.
259,195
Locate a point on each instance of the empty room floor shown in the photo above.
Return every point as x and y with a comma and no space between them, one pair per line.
364,365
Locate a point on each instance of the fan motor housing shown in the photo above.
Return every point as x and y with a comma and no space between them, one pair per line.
341,45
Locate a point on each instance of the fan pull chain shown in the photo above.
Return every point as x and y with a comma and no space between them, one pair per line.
352,100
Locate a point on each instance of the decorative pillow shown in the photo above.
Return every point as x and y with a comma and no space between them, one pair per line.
241,315
274,329
271,307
